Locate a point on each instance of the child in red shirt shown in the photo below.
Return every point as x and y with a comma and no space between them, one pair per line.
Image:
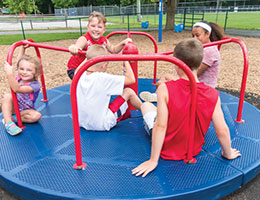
170,129
96,29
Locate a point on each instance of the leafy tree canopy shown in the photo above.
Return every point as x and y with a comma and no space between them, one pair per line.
64,3
18,6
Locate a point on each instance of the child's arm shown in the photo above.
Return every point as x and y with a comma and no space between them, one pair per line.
13,83
202,68
129,74
22,51
79,45
158,134
223,133
117,48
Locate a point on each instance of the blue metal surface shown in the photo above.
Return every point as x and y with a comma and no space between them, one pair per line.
37,164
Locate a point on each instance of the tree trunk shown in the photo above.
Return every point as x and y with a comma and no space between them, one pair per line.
171,6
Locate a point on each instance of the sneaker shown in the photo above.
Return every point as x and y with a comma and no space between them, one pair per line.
148,96
11,128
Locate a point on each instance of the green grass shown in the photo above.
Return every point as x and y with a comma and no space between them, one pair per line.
237,20
42,37
247,21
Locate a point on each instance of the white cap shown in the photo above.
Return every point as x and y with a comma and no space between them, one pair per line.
203,25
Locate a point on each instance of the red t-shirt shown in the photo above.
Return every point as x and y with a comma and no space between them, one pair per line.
76,60
177,133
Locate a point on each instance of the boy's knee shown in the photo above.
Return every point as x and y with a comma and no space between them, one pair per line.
145,104
147,107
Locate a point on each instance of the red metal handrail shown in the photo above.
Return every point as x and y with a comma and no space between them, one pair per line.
36,47
245,71
129,33
145,57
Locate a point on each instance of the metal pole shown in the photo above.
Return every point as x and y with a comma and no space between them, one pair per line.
128,28
160,20
80,26
21,21
138,9
225,26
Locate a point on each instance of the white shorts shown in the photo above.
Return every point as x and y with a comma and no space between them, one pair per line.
149,120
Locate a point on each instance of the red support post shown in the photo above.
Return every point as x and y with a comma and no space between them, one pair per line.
131,48
144,34
147,57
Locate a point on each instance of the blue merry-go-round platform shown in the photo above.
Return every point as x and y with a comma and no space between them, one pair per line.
38,164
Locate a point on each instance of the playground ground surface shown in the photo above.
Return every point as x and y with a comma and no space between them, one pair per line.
54,64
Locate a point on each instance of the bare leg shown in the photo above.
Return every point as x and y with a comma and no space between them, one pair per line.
129,94
7,107
147,107
30,116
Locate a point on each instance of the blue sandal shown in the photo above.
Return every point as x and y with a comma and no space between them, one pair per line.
14,118
11,128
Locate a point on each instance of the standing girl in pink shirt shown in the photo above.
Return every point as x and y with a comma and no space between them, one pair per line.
207,32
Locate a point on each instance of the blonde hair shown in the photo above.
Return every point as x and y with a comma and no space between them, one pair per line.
96,50
99,16
34,61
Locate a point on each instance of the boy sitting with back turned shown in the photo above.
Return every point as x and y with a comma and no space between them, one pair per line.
170,131
94,91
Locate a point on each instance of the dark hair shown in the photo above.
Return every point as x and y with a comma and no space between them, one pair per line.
217,32
190,51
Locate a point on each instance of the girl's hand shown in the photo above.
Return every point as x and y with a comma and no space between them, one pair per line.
128,40
8,68
74,49
25,46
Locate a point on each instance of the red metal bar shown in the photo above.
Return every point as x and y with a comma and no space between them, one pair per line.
145,34
9,60
146,57
245,71
45,99
15,102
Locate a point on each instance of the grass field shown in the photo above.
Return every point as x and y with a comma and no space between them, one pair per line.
238,20
41,37
235,20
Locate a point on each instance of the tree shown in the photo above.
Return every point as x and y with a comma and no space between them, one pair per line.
64,3
18,6
45,6
171,6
